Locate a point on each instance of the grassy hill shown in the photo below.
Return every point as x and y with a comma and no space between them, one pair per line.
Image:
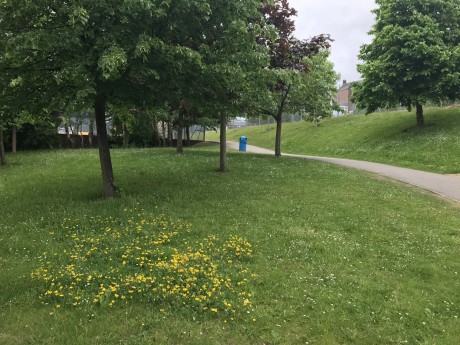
390,138
277,251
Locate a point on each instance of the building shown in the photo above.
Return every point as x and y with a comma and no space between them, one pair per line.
237,122
344,98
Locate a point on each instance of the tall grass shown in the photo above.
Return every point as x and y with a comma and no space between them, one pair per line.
337,256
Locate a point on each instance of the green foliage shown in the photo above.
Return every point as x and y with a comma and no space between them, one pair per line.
314,94
134,53
40,135
113,62
287,64
142,132
414,56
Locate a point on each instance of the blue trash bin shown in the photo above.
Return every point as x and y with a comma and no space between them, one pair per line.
243,142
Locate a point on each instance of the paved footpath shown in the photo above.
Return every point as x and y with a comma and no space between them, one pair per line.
444,185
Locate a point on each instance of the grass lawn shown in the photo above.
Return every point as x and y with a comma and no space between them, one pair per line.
390,138
277,251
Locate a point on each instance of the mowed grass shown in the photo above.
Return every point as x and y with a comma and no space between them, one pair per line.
338,256
390,137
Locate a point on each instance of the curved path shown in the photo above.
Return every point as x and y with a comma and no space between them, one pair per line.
444,185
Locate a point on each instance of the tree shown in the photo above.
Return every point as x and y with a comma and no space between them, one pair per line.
4,120
122,116
232,61
228,88
2,147
22,118
101,51
315,93
18,108
286,61
68,51
15,115
414,56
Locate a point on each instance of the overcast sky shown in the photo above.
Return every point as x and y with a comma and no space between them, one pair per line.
347,21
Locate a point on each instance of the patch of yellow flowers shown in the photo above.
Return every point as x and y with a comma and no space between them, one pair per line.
145,259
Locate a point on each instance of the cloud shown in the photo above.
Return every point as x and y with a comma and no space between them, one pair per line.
348,23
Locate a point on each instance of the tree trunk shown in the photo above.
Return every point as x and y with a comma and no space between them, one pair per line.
204,133
91,133
2,149
79,133
223,142
67,136
156,124
154,131
156,134
163,130
125,137
180,130
104,151
14,141
170,134
279,120
419,114
73,138
187,133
